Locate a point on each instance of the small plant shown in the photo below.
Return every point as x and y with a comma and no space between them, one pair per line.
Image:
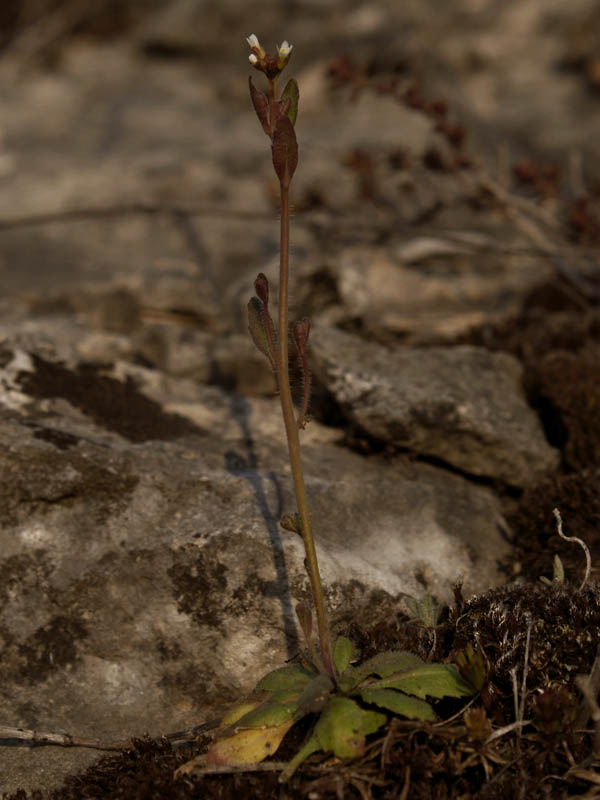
325,683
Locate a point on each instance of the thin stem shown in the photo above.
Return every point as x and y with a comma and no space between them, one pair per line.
272,105
293,439
59,739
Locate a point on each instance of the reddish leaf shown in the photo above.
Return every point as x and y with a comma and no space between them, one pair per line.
257,320
300,331
283,107
261,106
285,151
261,287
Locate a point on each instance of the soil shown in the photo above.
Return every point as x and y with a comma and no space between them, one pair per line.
548,631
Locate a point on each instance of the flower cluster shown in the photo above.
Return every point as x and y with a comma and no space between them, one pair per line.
262,61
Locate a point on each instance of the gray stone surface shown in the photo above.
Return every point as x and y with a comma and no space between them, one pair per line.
144,577
464,405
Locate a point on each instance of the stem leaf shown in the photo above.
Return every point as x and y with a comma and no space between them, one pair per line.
261,105
284,150
256,328
292,93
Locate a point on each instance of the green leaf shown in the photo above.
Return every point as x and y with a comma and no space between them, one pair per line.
256,328
294,676
315,695
558,571
472,665
348,680
308,748
256,699
399,703
384,664
342,653
343,726
425,609
270,714
434,680
292,93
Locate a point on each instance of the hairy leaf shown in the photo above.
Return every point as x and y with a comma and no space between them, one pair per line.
315,695
292,93
472,665
256,699
274,712
425,609
285,151
261,287
300,332
343,726
399,703
256,328
342,653
348,680
435,680
387,663
294,676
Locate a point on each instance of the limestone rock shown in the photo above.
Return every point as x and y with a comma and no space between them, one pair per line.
464,405
144,576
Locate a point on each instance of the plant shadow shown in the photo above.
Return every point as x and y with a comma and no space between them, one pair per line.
246,466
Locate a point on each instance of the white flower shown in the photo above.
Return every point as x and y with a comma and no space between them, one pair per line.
252,59
285,49
253,41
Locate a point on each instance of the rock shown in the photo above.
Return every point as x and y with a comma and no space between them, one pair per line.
463,405
427,290
144,576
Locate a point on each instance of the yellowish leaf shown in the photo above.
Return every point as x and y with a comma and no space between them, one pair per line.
248,746
240,710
